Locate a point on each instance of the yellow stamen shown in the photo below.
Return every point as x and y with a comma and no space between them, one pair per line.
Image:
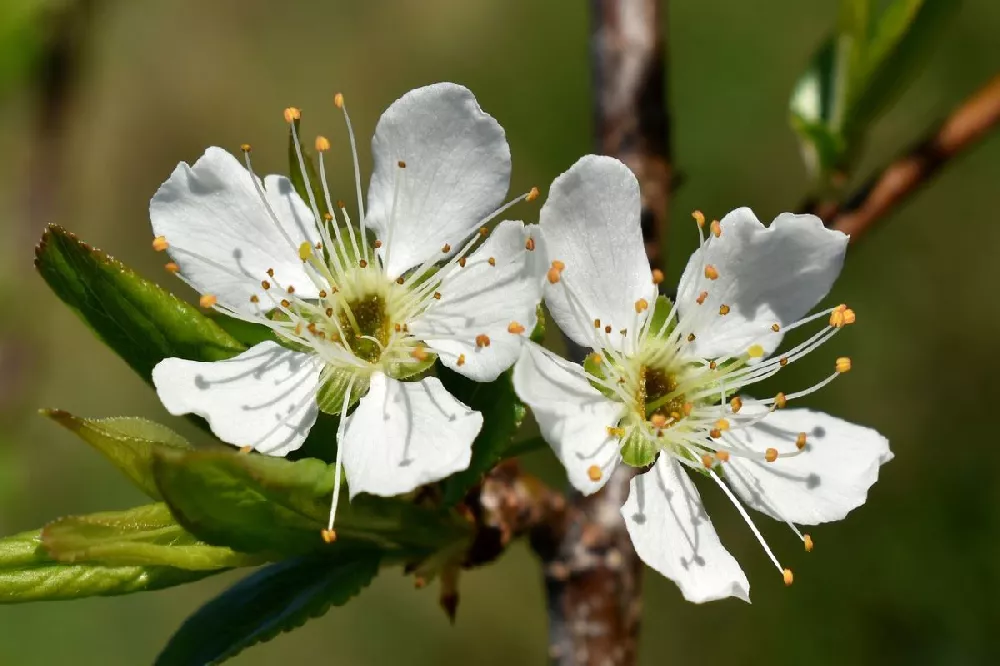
594,473
771,455
843,364
292,114
322,144
160,243
207,301
711,273
515,328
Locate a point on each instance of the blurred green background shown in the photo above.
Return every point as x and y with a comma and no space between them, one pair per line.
912,577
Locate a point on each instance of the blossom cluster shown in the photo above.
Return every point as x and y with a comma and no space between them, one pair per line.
360,308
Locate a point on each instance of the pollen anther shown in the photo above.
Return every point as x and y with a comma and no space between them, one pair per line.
711,273
482,340
160,243
723,309
172,268
292,114
787,576
800,441
594,473
657,276
322,144
207,301
771,455
515,328
843,364
641,305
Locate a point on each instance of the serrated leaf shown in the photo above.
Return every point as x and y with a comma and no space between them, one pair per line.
140,321
278,598
259,504
502,415
144,536
27,573
127,442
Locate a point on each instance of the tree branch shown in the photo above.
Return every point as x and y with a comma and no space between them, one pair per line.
969,123
592,575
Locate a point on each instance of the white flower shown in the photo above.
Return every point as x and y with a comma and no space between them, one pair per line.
662,385
357,309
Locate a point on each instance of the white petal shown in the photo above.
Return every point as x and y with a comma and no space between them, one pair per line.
484,299
264,398
590,222
406,434
572,415
221,234
766,276
673,534
457,173
826,481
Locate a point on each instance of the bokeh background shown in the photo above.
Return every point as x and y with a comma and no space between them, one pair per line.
912,577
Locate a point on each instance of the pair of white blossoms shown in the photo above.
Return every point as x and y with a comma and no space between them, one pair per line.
361,310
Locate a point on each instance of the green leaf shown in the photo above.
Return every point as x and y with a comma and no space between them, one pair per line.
856,74
127,442
502,415
260,504
140,321
278,598
145,536
27,573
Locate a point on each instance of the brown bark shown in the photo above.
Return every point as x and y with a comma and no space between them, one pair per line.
889,188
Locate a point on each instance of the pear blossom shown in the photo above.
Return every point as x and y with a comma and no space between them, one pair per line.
358,309
662,389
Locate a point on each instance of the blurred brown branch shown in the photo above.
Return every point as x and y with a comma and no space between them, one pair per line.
593,577
966,125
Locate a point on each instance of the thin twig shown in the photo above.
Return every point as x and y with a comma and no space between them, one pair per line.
592,575
890,187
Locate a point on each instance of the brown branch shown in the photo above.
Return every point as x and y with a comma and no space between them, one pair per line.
592,575
887,190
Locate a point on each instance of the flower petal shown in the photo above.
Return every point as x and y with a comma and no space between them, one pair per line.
485,298
264,398
590,222
573,416
457,172
766,276
831,476
673,534
406,434
222,235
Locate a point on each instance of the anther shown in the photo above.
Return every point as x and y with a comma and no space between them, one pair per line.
787,575
341,204
723,456
446,248
736,404
596,359
328,216
322,293
461,262
255,299
771,455
616,432
401,164
808,542
594,473
246,449
419,353
265,284
800,441
716,228
329,536
755,351
291,289
712,365
363,264
701,297
699,217
482,340
292,114
461,360
711,273
329,312
558,265
515,328
160,243
322,144
723,309
783,361
607,329
641,305
597,323
690,337
849,316
780,401
398,327
172,268
207,301
270,272
657,276
553,275
492,261
400,280
437,295
532,194
715,433
377,243
722,424
707,461
305,251
658,420
843,364
285,303
837,319
245,147
529,244
775,327
338,100
484,232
